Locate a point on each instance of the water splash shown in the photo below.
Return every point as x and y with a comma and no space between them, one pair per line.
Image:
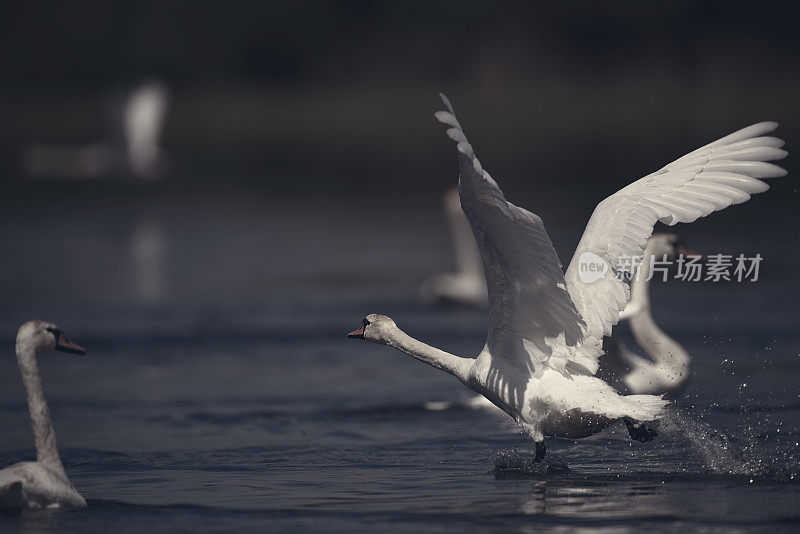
722,454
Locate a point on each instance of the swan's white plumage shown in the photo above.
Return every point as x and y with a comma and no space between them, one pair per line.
708,179
43,483
666,367
37,485
546,328
521,267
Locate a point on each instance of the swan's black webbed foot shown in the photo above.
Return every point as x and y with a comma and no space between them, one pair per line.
640,431
540,451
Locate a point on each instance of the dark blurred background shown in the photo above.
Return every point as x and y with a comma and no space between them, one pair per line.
300,156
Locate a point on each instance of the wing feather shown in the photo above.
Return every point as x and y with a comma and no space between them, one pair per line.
531,314
711,178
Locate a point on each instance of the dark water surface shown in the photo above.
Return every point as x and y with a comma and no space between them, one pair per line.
253,412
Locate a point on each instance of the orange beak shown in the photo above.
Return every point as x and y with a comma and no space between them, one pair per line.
357,333
65,345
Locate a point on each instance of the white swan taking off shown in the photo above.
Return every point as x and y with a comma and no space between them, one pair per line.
43,483
546,327
665,370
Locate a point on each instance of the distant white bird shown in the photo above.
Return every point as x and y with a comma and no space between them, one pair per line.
665,370
43,483
132,148
143,115
467,285
547,327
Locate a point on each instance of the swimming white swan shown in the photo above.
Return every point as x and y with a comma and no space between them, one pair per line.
131,148
43,483
467,285
142,121
666,369
546,327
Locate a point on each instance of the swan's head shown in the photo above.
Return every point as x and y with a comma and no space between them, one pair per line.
671,245
376,328
44,337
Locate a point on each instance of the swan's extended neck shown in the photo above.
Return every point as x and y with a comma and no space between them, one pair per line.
43,433
455,365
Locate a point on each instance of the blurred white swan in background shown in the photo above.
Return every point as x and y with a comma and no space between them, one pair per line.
546,326
143,115
136,122
666,369
467,285
43,483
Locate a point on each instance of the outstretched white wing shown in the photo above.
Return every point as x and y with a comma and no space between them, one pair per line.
532,319
709,179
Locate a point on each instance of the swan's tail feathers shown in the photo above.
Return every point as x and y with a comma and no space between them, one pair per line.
645,407
11,495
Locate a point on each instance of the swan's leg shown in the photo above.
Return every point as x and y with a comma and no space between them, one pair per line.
640,431
540,451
